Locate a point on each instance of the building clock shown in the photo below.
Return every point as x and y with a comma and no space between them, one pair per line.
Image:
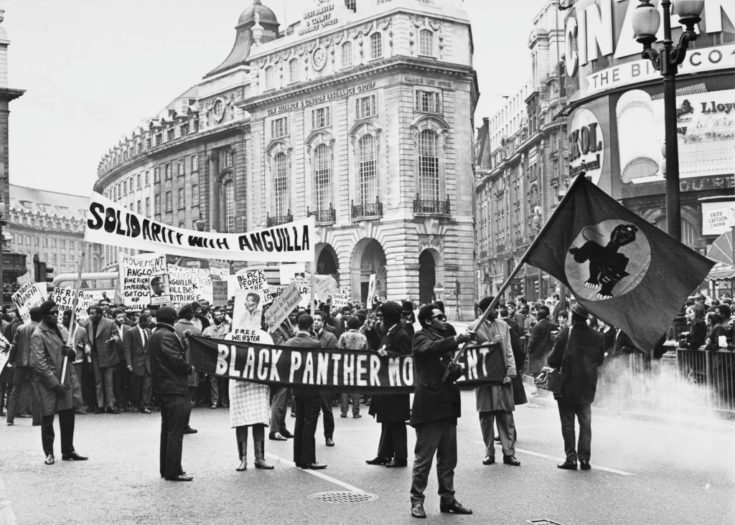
319,58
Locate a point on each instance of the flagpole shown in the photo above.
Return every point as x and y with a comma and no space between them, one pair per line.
520,263
75,301
313,269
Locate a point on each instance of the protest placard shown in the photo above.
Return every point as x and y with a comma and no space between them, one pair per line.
282,306
247,311
341,298
181,286
251,279
202,284
219,293
138,282
64,299
28,296
111,223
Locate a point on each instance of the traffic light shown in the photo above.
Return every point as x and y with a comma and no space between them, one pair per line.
41,272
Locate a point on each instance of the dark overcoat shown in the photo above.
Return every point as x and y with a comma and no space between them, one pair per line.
433,399
107,354
393,407
47,358
169,368
579,361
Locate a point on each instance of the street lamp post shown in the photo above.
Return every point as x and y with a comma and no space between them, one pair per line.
646,20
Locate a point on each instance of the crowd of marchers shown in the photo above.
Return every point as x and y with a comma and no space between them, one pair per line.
138,361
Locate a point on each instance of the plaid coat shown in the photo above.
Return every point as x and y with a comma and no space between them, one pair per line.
249,402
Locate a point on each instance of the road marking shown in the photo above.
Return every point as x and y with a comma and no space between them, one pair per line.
557,458
318,474
7,516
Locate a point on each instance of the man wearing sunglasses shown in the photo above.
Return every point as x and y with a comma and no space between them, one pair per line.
436,407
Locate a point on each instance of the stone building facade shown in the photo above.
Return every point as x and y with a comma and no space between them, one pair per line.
359,113
520,156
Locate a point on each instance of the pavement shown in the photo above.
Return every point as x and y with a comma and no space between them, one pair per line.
643,471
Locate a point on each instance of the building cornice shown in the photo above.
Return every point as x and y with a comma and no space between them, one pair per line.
8,94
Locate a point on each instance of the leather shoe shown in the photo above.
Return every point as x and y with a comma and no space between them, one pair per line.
585,465
511,460
417,510
49,460
489,460
180,477
99,410
112,410
276,436
454,507
189,430
73,457
377,461
243,466
287,434
146,410
356,416
397,463
568,465
313,466
10,423
330,442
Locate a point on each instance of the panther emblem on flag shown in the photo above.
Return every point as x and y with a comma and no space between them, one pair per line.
607,260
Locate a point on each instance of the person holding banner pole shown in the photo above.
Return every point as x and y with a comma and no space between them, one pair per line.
53,385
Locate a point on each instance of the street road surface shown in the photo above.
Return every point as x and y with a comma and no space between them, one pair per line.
644,472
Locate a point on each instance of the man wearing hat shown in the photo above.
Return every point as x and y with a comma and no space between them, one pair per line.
578,350
48,349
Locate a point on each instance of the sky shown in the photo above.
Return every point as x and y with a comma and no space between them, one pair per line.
94,69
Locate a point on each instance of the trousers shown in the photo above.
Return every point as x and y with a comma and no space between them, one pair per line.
103,384
141,390
440,438
393,440
21,378
278,410
174,413
345,400
583,413
326,405
506,431
66,427
307,415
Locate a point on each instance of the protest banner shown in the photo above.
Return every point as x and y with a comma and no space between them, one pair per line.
250,336
64,299
219,293
101,295
282,306
251,279
136,280
28,296
341,298
110,223
181,286
247,312
202,284
327,369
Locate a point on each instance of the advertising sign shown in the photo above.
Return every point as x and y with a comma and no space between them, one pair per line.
717,217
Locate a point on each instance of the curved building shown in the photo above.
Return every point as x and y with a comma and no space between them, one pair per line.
360,113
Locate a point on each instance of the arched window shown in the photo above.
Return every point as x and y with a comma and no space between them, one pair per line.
322,177
270,77
293,70
280,185
428,166
376,45
347,54
368,170
228,190
426,43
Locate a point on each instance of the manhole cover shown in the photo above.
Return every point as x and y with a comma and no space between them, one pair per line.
343,496
544,521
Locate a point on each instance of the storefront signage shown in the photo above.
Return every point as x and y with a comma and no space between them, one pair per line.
320,99
717,217
428,82
586,145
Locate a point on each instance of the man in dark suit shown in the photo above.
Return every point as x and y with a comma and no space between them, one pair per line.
327,340
20,359
436,407
540,341
392,410
104,338
139,363
170,373
307,402
578,351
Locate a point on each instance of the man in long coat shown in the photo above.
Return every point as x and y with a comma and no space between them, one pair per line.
578,351
436,407
20,358
495,400
48,349
392,410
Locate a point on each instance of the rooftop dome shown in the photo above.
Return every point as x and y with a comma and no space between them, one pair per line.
267,16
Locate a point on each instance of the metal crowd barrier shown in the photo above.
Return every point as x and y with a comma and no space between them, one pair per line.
715,371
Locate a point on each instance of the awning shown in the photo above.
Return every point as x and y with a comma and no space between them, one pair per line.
721,272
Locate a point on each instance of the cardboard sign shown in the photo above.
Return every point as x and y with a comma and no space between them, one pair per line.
247,311
219,293
28,296
251,279
141,278
64,299
282,306
181,286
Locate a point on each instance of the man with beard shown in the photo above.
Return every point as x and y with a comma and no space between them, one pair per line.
170,371
104,338
121,375
217,330
436,407
48,350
